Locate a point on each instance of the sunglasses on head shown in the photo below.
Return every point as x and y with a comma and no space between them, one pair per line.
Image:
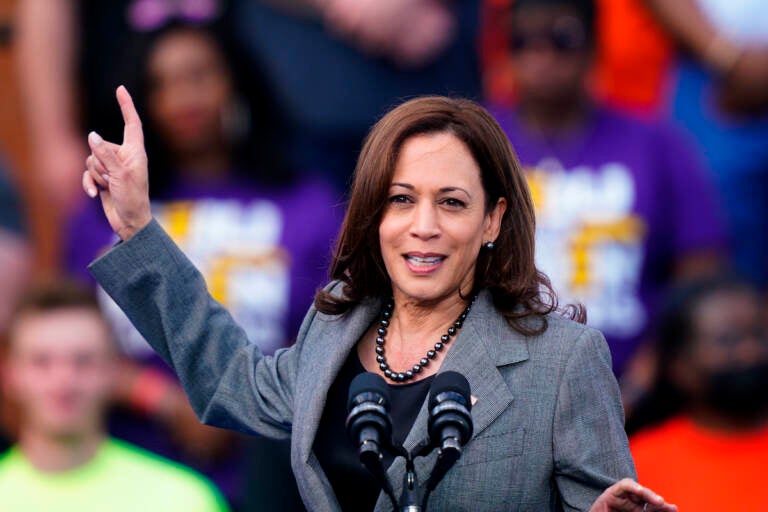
149,15
566,35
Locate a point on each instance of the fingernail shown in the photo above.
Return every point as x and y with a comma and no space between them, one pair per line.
95,138
92,192
106,177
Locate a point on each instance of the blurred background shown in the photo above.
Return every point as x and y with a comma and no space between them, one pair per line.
642,126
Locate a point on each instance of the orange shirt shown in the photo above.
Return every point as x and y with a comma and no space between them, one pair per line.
702,470
633,58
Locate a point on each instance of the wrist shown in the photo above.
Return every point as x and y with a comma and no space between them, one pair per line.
128,231
721,54
149,391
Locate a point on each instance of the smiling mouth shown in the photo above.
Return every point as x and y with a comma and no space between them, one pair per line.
423,263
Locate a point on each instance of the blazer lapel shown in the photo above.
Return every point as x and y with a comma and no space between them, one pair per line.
328,344
335,338
484,343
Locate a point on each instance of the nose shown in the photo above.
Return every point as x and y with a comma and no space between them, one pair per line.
424,224
64,374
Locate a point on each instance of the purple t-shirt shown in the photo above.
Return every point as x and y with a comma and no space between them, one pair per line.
263,251
618,202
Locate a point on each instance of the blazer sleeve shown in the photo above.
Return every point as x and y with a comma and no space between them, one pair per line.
590,445
229,382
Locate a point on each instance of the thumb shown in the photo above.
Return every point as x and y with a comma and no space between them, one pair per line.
105,153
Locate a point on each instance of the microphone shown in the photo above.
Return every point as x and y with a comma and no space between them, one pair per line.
449,424
450,421
369,425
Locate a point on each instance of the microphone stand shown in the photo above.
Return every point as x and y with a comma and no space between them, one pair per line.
414,497
446,458
411,500
371,458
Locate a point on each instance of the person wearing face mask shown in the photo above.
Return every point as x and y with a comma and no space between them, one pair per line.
708,415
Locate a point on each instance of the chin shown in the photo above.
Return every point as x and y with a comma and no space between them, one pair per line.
424,292
65,426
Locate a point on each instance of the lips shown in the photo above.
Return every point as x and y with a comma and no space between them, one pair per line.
421,263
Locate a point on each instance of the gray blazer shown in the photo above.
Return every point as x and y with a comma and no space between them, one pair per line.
549,432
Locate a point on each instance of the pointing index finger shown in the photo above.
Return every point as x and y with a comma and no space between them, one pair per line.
132,133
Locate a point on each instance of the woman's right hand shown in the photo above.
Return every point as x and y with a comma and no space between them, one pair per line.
118,173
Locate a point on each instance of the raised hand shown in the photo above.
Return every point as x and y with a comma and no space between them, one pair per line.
118,173
628,496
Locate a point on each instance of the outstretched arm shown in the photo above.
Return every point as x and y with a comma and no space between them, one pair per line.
228,381
46,50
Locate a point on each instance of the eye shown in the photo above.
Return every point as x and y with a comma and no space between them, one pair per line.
453,202
399,199
83,361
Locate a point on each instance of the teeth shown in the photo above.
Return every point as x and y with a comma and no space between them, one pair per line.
431,260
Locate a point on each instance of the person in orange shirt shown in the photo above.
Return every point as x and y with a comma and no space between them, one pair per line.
709,438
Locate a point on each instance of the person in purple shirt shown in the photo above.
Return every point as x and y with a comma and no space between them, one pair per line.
623,206
261,238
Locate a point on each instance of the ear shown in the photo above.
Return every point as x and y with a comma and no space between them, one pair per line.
7,375
493,221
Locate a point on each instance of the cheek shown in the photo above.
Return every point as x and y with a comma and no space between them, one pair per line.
96,378
28,386
218,95
391,230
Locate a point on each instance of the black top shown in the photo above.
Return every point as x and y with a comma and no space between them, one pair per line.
354,486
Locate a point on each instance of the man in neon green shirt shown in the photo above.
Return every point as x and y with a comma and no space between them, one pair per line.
59,371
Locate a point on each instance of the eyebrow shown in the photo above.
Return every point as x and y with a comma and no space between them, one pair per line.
442,190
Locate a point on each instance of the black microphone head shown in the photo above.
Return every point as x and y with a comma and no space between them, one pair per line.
450,381
450,408
369,425
368,382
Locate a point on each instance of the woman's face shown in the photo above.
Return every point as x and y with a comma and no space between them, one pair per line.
435,219
189,90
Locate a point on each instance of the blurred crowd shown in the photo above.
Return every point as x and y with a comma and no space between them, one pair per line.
642,126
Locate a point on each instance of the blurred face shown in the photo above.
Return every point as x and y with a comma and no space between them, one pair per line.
550,54
726,365
189,91
728,331
60,370
435,221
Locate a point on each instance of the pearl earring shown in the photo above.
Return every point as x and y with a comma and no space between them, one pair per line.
489,245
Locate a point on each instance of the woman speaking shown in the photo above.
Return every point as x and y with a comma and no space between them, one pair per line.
433,271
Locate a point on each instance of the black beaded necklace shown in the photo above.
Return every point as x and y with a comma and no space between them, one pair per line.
381,337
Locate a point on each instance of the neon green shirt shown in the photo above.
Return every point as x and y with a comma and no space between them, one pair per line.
119,478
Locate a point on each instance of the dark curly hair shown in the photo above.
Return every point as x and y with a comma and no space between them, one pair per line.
519,290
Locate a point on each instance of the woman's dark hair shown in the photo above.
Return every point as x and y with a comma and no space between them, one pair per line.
674,333
256,150
519,290
585,9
